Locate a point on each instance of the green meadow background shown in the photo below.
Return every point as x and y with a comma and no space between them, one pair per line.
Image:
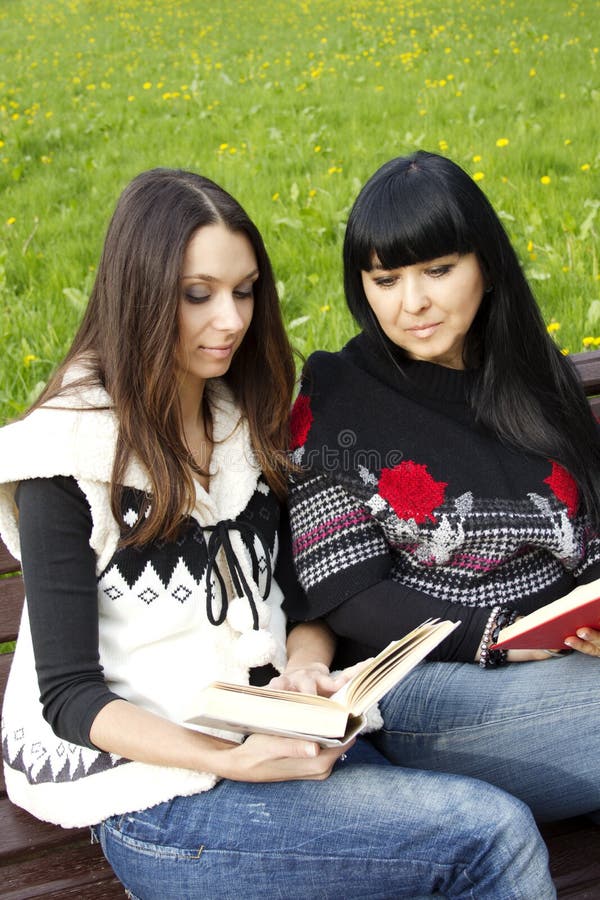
291,106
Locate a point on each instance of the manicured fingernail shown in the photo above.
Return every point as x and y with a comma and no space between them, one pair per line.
583,635
569,643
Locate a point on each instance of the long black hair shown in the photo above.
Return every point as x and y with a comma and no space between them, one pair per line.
420,207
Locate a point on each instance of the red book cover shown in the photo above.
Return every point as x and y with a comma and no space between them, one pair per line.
546,628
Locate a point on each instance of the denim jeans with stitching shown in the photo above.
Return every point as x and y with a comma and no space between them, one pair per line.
531,728
368,831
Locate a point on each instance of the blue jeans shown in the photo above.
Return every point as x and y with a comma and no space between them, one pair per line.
368,831
532,728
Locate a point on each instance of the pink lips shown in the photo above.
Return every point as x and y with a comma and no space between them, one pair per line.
218,352
423,331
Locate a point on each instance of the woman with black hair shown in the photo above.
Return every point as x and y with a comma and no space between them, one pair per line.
451,468
155,558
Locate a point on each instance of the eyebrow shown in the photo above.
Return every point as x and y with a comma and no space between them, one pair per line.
211,278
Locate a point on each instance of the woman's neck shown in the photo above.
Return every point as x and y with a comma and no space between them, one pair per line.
193,423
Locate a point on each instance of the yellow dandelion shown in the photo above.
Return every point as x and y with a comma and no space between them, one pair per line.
545,179
312,192
223,146
443,145
27,360
317,149
532,73
147,85
588,341
568,141
325,308
585,167
502,142
478,176
477,158
11,220
553,327
275,196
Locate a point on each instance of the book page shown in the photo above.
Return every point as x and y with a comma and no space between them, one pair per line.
390,666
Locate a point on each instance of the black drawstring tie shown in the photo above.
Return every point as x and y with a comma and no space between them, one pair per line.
220,537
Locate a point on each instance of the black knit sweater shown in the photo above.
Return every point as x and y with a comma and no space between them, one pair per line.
408,508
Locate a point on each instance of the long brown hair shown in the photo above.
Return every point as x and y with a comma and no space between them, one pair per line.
129,335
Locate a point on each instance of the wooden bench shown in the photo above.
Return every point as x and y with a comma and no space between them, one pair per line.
42,860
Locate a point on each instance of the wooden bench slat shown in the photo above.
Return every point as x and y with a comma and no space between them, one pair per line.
574,847
79,872
7,562
11,593
22,834
588,369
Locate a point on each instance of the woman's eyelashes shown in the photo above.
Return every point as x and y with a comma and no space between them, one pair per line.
196,297
438,271
199,295
243,293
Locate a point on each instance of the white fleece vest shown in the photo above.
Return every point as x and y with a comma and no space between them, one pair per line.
142,644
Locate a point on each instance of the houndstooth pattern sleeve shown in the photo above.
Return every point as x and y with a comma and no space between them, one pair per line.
339,547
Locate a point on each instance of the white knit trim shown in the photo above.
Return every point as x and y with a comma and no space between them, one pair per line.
133,786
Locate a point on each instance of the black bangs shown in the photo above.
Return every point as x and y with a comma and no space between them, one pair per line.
404,219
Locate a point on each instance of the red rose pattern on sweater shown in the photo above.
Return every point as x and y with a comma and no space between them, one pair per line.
411,491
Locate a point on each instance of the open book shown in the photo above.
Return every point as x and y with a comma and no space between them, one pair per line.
547,627
330,721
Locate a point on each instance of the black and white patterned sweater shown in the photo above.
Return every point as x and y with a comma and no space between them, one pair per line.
406,508
158,641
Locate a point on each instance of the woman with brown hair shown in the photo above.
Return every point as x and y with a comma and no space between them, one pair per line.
156,557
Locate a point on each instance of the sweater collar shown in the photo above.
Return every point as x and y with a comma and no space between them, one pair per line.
407,376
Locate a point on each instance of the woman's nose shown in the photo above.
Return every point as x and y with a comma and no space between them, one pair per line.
414,294
227,315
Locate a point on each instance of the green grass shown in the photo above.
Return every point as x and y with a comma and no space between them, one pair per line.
291,106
